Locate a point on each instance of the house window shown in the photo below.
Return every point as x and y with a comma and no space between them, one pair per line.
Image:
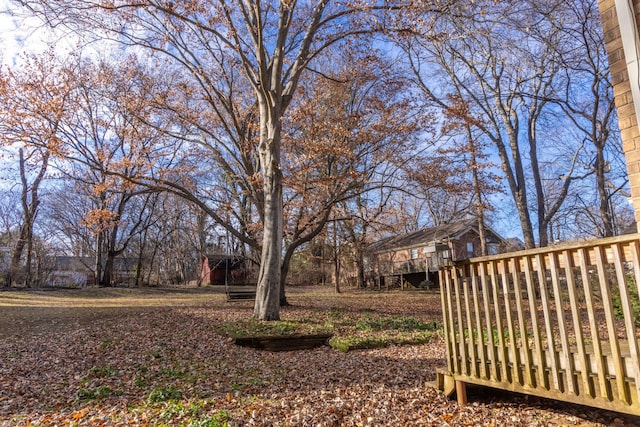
470,249
492,248
414,253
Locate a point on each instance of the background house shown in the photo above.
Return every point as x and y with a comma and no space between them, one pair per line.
77,271
69,271
413,259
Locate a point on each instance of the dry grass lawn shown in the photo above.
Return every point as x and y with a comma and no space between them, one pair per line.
157,357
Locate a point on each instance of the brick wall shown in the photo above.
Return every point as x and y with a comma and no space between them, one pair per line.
622,90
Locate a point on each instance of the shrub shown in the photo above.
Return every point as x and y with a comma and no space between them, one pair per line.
98,393
162,394
219,419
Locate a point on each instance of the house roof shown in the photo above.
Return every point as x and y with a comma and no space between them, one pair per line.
74,263
77,263
224,260
426,236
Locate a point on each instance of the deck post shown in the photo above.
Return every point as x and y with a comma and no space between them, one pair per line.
461,392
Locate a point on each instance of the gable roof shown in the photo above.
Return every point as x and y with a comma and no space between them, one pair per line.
425,236
224,261
87,264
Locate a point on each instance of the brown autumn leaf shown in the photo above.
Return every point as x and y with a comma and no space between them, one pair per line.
154,358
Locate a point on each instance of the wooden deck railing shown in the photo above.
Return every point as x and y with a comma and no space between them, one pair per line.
559,322
387,268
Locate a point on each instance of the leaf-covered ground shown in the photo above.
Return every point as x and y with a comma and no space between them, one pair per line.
154,357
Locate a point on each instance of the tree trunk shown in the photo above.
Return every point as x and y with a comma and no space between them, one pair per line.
140,259
107,272
360,268
541,213
267,305
97,274
477,191
481,231
519,194
30,204
28,278
336,272
112,253
517,181
284,271
603,195
16,257
336,259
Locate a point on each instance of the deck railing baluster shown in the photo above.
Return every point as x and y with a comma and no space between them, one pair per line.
596,341
522,324
473,359
548,328
625,303
502,348
585,367
483,369
574,339
535,324
516,372
634,249
566,358
486,287
462,347
607,305
450,330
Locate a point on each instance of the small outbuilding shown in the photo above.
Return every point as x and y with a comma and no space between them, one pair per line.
221,269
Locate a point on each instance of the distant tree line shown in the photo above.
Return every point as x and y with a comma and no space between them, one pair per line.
310,127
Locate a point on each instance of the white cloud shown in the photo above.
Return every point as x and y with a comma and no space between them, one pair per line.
22,33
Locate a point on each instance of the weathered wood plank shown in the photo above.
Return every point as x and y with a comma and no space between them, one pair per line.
559,248
241,295
284,342
607,304
535,325
471,327
625,302
522,324
604,386
462,347
483,369
442,277
451,332
502,348
516,374
486,285
562,328
587,382
634,255
461,392
551,341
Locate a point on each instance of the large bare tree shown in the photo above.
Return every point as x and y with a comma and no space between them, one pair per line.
33,101
221,46
505,62
589,103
